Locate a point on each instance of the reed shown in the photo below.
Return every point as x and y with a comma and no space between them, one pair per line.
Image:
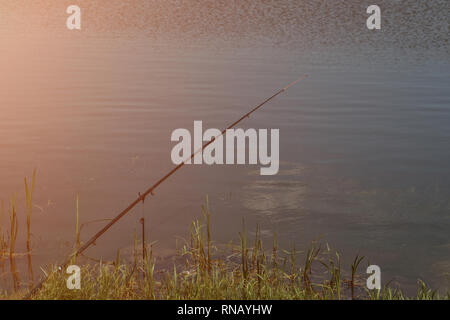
334,268
149,283
29,199
244,250
14,225
77,229
207,216
13,231
355,265
3,240
311,256
29,208
3,237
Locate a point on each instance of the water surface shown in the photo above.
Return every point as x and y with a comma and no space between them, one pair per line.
364,142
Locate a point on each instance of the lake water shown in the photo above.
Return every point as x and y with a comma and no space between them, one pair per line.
364,141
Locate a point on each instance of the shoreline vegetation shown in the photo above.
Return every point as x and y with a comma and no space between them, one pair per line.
201,269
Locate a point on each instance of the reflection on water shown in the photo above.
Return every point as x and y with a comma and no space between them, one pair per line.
270,197
364,141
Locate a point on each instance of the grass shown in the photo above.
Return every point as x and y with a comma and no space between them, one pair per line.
205,270
244,273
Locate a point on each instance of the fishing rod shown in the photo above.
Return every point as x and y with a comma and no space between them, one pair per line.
141,197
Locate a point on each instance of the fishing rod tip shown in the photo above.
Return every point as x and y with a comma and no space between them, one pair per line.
295,82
